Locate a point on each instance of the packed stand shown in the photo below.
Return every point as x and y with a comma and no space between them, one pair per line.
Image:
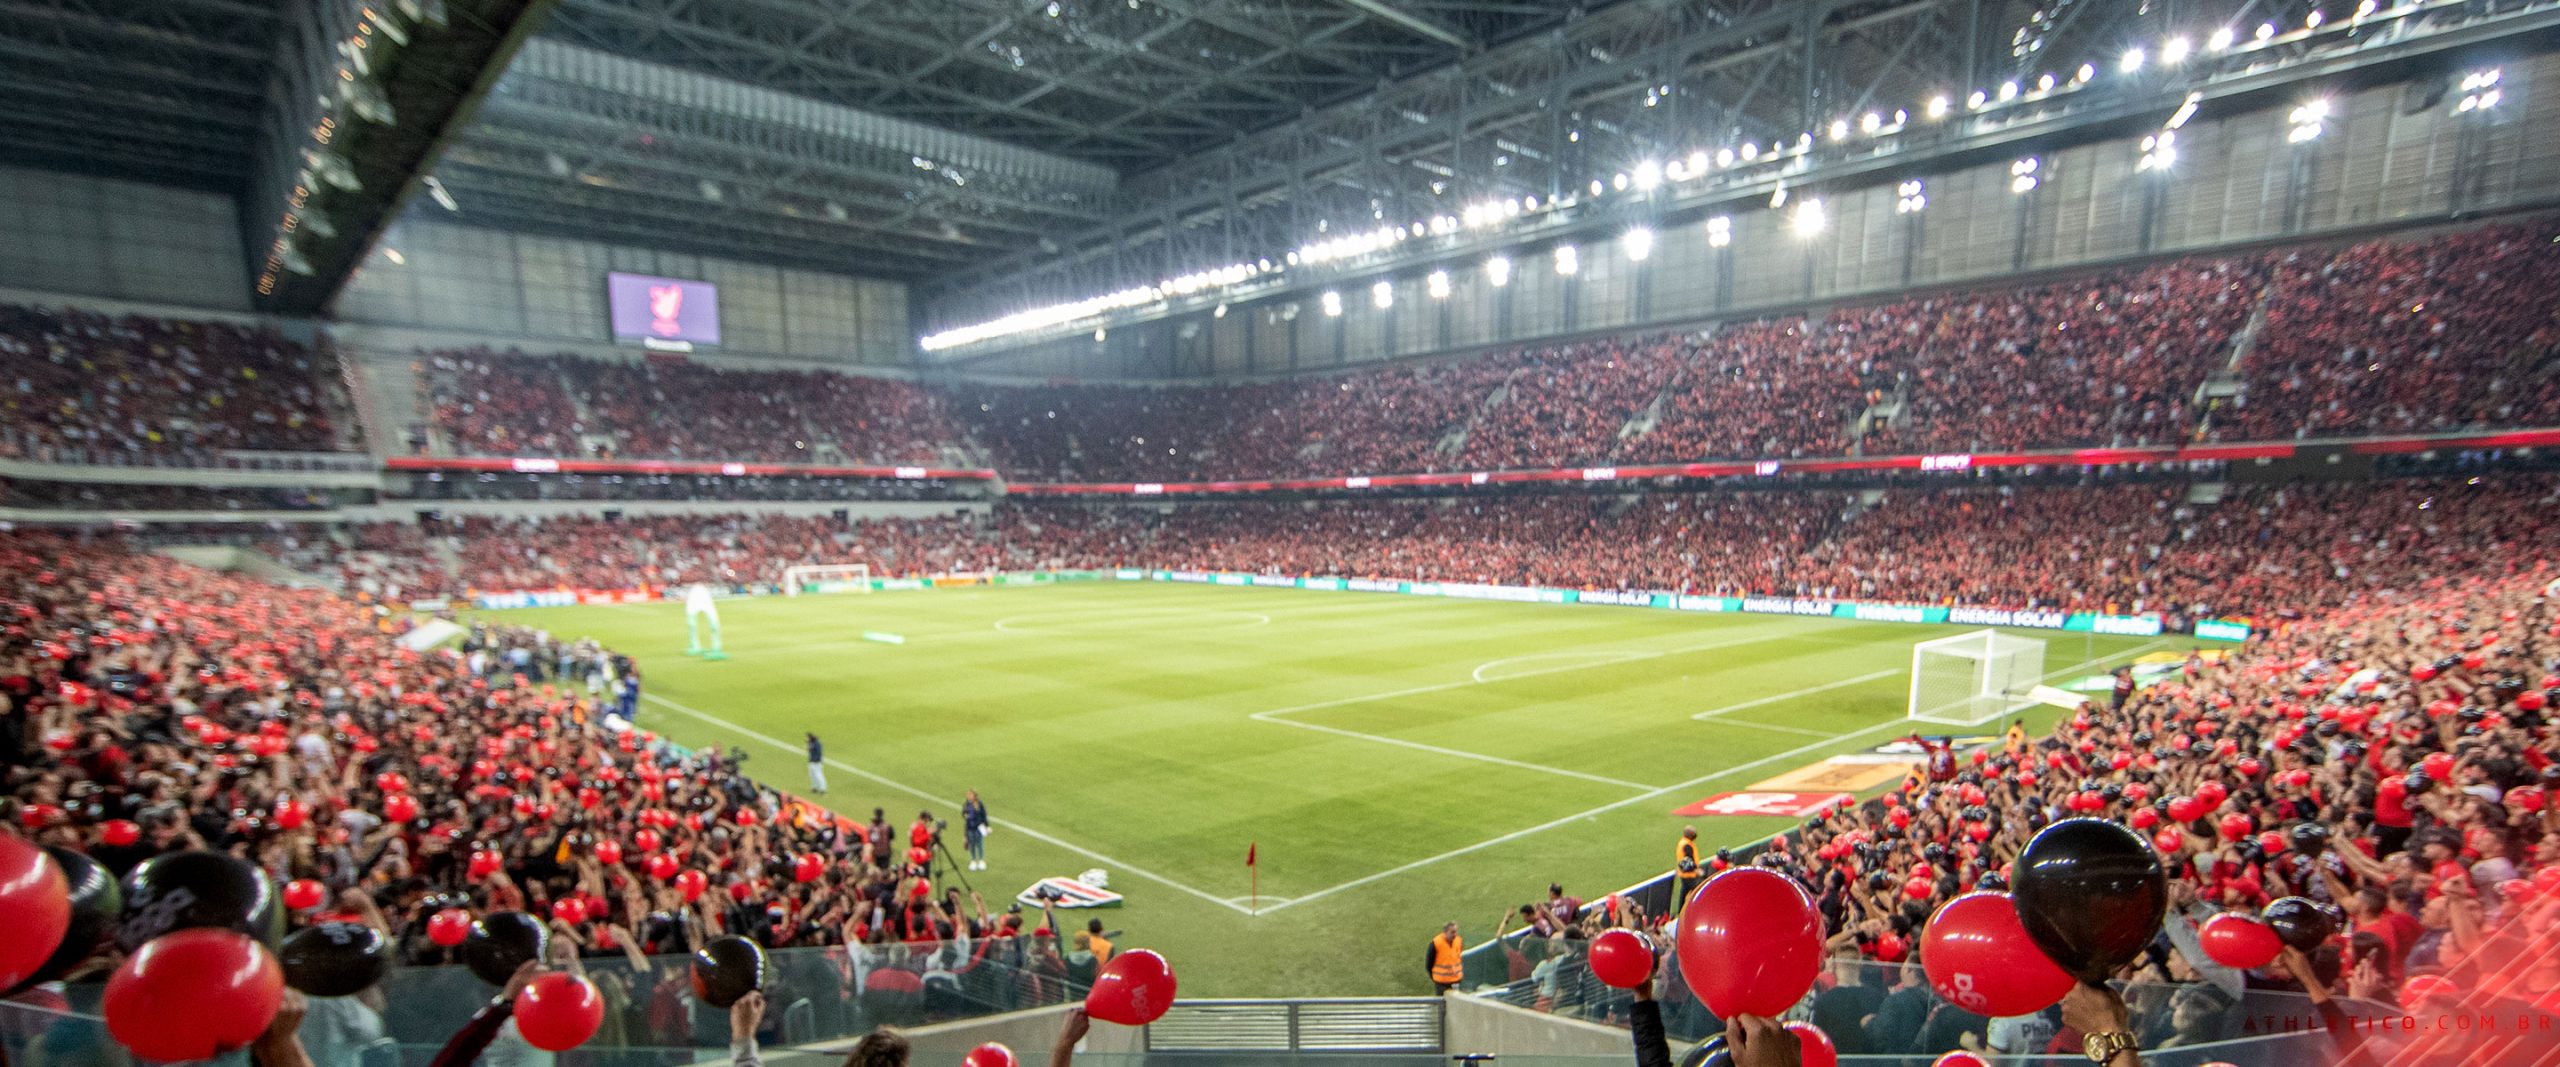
566,406
2448,332
2266,550
2110,360
77,386
154,708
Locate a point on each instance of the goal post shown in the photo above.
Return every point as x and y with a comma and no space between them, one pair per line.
1974,678
826,578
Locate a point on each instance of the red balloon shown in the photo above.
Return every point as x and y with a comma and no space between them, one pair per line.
662,866
558,1012
809,867
1621,959
2250,766
399,807
1958,1059
1816,1045
449,927
193,994
1750,943
2144,818
692,884
291,814
921,889
304,894
991,1054
1916,888
645,840
1134,989
391,782
2438,765
919,857
35,909
569,910
608,852
119,833
2168,840
2271,843
1979,958
2236,940
2236,826
588,799
2212,794
2185,809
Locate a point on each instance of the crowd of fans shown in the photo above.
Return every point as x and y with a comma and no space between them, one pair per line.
2450,332
148,706
2392,759
513,404
84,387
2275,550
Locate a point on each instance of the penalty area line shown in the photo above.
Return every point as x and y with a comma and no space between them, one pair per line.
902,787
1794,693
1504,839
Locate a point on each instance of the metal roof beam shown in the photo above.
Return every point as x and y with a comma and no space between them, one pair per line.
1388,12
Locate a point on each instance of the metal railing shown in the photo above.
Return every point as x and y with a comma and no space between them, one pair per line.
1366,1024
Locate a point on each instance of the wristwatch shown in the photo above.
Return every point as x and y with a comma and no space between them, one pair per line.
2105,1044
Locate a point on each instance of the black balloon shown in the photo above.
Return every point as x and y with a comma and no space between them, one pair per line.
2091,894
95,902
335,959
726,969
180,890
501,942
2418,783
1991,881
2299,923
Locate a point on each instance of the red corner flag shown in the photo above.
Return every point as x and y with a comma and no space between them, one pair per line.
1249,850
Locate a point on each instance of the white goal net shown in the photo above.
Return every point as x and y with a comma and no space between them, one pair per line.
1974,678
826,578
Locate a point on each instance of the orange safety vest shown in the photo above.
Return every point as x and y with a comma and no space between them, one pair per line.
1684,850
1446,966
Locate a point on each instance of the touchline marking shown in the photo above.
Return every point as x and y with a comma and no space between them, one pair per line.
1896,724
1594,659
1746,724
902,787
1806,691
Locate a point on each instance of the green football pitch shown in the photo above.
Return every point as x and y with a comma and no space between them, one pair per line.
1397,761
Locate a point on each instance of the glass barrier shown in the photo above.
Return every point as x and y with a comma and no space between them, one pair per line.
1888,1011
812,995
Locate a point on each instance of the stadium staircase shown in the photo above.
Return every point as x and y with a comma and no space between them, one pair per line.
2232,381
386,401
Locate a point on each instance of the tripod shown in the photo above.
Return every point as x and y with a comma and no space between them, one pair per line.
944,861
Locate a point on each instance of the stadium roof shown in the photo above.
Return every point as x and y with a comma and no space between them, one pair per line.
990,151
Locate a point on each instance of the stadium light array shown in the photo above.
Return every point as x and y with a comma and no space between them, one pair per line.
1568,260
2308,121
1810,218
2159,152
1383,295
1437,285
1719,231
2022,175
1332,301
2480,91
1497,271
1911,198
1639,244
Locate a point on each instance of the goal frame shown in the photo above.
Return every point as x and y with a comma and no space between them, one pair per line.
1997,685
793,577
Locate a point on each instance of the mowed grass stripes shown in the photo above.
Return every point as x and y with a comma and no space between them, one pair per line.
1399,761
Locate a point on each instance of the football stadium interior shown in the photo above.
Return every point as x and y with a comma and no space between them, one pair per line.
1330,533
